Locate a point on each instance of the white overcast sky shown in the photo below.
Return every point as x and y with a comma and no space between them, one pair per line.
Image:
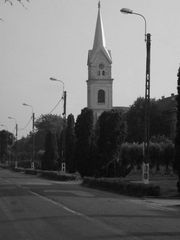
51,38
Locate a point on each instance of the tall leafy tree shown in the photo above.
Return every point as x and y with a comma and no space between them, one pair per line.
70,144
24,146
11,2
84,131
48,122
45,123
177,139
111,134
136,117
50,155
6,140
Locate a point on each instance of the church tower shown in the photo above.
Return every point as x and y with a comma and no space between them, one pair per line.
99,83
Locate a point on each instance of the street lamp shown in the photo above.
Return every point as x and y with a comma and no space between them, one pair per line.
16,137
64,95
63,164
147,97
33,135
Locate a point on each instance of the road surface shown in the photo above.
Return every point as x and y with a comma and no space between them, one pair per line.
33,208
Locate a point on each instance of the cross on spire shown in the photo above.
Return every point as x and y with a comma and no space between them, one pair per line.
99,4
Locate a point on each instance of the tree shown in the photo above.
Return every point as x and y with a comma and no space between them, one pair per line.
111,134
49,161
70,144
136,117
24,146
131,155
49,122
161,152
177,138
11,2
45,123
168,154
6,140
155,152
83,132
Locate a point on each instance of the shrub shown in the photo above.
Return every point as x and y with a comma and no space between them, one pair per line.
123,187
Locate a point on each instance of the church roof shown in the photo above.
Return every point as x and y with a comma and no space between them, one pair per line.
99,39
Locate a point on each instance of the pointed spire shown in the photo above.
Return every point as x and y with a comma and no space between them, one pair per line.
99,38
99,4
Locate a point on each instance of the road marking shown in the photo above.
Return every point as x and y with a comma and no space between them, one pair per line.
77,193
91,219
58,204
37,183
154,204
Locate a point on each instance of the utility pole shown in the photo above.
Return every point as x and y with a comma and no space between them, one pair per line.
33,135
147,111
64,98
33,140
145,167
63,165
16,162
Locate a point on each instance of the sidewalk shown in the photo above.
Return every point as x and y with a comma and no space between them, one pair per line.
164,204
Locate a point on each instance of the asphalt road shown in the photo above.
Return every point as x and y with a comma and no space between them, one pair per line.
33,208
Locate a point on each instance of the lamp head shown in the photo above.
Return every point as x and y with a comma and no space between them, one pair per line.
52,79
126,11
25,104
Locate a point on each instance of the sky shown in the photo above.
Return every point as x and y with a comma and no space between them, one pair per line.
51,38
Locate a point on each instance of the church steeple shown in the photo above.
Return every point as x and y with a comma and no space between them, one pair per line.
99,83
99,39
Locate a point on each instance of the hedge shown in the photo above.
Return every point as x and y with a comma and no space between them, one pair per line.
122,187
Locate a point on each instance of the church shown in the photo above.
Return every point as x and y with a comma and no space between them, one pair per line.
99,83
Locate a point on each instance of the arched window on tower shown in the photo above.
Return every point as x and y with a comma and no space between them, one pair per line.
101,96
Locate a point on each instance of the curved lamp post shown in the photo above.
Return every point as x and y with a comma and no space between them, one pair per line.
64,95
63,164
33,135
147,97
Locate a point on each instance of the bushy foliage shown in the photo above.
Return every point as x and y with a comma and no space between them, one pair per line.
110,135
123,187
49,161
177,139
131,155
12,2
70,144
84,132
43,124
136,117
155,155
6,141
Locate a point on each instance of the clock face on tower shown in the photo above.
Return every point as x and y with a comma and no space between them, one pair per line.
101,66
